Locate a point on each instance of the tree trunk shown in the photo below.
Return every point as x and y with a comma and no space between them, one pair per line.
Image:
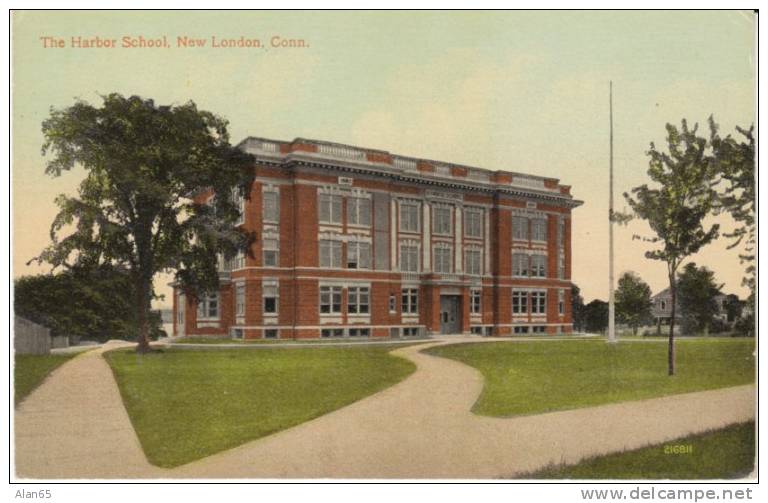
634,329
143,290
671,348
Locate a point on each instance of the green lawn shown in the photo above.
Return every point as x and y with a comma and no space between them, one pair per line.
536,377
186,405
30,370
726,453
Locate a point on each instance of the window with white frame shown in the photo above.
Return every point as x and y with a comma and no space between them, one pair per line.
561,248
409,216
236,262
240,299
269,295
473,262
329,211
359,211
473,223
442,220
392,303
520,228
208,307
520,264
270,249
539,229
561,302
410,300
270,206
330,253
538,266
475,296
358,300
238,198
358,255
538,302
330,300
519,302
443,260
409,257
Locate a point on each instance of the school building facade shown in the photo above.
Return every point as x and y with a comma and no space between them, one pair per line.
354,242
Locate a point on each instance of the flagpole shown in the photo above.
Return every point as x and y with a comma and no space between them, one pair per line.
611,301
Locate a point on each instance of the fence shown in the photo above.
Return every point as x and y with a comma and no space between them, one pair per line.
29,338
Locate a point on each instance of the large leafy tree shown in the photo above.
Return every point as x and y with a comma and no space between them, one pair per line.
633,300
136,208
697,292
734,162
675,207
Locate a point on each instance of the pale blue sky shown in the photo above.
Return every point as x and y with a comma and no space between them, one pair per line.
524,91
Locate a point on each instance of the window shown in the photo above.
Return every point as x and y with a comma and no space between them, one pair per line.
476,330
473,223
521,330
410,300
269,294
359,332
208,307
442,220
330,209
561,302
271,206
538,302
409,257
238,198
237,333
330,299
410,331
332,332
539,329
358,299
330,253
443,261
520,228
561,248
473,262
240,300
358,255
392,303
270,333
539,266
519,264
359,211
539,229
236,262
409,217
270,250
663,305
474,301
519,302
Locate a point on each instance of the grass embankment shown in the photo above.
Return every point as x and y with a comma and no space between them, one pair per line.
29,371
726,453
186,405
537,377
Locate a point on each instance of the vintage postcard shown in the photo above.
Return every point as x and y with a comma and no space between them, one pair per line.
384,245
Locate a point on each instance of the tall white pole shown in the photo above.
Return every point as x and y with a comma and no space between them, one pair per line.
611,307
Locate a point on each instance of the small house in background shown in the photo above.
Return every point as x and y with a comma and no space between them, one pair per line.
661,308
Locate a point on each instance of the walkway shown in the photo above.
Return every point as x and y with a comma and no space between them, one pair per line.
420,428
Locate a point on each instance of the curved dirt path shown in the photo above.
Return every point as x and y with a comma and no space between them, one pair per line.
421,427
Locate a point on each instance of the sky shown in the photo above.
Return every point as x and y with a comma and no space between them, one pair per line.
514,90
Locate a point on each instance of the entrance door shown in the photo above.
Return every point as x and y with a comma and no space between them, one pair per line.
450,321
